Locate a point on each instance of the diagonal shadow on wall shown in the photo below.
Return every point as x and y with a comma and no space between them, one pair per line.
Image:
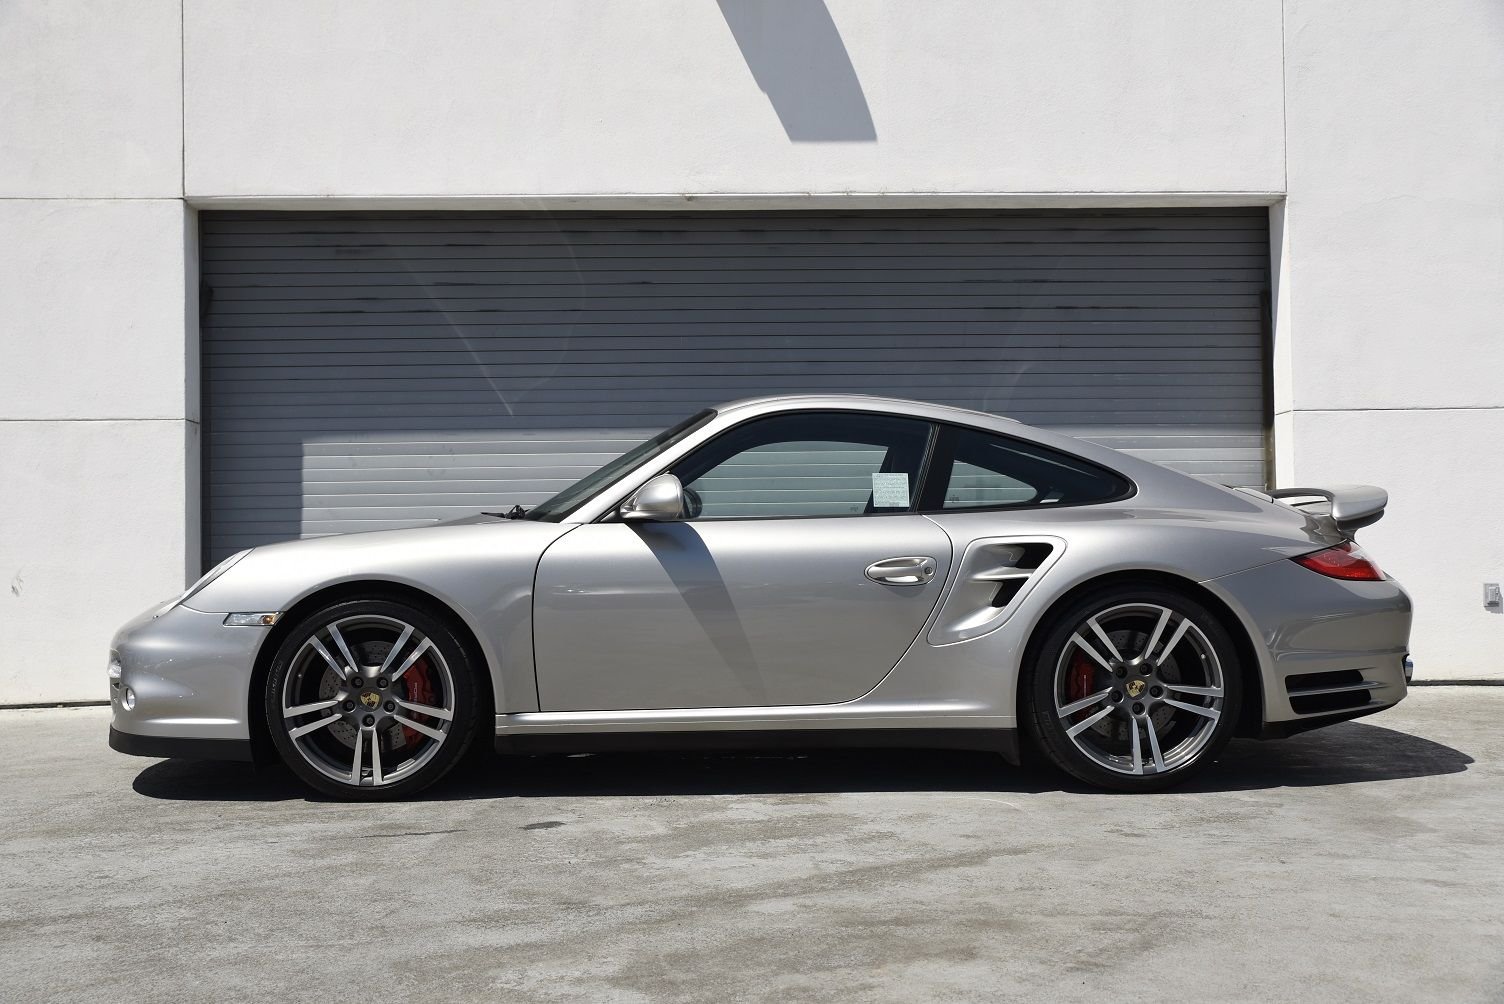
798,59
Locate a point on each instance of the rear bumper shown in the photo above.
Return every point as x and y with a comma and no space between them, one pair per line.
1329,649
1284,730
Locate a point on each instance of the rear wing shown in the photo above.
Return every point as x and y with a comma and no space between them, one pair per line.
1351,507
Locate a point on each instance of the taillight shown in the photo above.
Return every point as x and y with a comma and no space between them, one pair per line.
1345,561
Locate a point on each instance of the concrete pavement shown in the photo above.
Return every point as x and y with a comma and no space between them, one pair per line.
1361,862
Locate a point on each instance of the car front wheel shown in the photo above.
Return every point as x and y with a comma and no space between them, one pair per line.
371,699
1133,689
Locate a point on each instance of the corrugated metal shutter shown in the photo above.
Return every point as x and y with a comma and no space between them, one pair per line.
369,370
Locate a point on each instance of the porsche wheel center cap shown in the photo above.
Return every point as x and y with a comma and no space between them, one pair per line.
370,698
1135,688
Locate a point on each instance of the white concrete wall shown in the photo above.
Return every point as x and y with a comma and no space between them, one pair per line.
1379,120
1392,327
97,427
90,99
479,97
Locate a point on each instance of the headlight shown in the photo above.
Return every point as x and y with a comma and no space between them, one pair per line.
114,670
211,575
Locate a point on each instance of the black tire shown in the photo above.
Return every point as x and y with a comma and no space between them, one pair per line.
1110,752
448,684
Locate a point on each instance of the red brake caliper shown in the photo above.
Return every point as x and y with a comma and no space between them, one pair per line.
419,691
1078,682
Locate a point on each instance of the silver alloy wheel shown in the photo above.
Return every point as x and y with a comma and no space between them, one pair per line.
362,683
1139,689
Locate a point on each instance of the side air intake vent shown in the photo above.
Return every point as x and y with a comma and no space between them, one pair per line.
1033,556
994,575
1006,591
1319,693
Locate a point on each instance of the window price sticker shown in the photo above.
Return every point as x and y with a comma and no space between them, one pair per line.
890,491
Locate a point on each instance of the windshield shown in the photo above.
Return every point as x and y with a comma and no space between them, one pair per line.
577,494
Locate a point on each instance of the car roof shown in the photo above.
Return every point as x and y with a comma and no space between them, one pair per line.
866,402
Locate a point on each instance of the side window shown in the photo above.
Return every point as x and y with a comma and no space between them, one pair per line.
807,464
985,471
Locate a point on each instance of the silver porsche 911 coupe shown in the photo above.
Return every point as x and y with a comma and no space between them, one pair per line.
800,571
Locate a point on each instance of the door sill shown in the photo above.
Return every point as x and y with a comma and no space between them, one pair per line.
991,740
859,714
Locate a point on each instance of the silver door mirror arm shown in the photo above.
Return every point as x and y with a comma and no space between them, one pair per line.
661,500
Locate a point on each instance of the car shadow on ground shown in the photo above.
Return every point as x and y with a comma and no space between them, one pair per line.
1349,753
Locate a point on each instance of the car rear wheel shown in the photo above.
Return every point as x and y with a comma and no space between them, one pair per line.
371,699
1133,688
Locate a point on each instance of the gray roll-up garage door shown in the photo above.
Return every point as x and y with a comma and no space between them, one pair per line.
371,370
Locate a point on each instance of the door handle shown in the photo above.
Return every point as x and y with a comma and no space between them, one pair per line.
910,571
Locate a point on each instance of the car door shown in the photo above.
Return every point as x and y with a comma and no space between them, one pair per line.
800,576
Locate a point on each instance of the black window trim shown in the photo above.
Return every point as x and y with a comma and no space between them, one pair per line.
941,437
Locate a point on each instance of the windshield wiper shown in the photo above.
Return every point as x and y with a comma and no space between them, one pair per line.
516,512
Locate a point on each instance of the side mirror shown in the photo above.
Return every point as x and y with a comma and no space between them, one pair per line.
661,500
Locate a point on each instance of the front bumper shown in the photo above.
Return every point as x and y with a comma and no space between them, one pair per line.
164,747
190,676
1329,649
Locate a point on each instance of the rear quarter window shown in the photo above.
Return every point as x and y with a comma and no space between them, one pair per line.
978,470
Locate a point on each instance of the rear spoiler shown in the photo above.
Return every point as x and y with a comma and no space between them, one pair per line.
1351,507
